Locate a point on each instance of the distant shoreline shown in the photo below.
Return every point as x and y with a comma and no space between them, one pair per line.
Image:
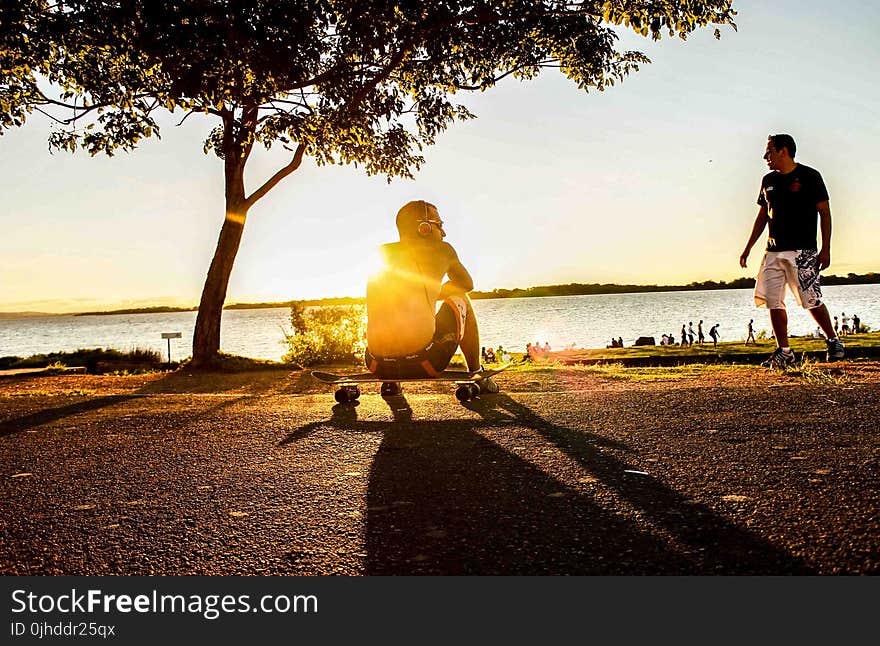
570,289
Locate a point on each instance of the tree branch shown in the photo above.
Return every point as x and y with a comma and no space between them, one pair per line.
483,86
277,177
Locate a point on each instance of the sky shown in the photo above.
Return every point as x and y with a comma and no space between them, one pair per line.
653,181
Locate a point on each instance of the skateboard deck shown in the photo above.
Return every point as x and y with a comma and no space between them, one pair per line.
467,382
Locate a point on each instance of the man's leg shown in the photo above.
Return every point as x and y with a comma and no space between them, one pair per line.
836,349
779,321
823,318
470,347
470,340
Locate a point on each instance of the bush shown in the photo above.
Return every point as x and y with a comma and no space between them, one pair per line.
323,335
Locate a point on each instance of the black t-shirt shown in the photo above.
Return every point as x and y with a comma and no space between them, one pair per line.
791,205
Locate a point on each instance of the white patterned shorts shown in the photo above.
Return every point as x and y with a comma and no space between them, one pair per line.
798,270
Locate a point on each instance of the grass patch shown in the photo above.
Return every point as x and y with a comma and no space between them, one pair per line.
814,373
95,360
725,352
660,373
234,363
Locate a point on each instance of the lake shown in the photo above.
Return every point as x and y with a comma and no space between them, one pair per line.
582,321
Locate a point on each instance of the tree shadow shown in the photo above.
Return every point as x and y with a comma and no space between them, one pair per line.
172,383
20,424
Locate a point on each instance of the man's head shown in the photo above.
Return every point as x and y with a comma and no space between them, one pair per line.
419,219
780,151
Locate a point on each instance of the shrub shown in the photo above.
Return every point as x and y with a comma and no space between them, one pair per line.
324,335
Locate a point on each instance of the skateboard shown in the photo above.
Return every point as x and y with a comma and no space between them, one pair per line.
467,383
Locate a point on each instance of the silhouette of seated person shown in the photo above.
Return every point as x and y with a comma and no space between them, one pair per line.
407,335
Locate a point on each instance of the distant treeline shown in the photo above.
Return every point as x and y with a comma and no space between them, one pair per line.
343,300
582,289
571,289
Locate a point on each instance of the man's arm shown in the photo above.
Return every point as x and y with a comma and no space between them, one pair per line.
825,228
459,278
757,230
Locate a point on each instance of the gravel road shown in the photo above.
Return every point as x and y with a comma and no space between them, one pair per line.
567,471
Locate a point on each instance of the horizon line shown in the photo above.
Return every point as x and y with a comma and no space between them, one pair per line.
498,292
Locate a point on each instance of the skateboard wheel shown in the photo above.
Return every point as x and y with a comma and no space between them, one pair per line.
474,390
391,389
341,396
353,393
464,393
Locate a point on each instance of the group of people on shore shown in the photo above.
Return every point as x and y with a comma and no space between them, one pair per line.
534,352
843,328
688,336
495,356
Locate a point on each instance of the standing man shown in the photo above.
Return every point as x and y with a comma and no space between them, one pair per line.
407,336
700,336
751,330
713,332
792,199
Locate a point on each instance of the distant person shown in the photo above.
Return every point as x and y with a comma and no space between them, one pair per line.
792,199
700,336
684,336
407,335
691,335
490,356
751,332
620,342
484,355
817,333
857,324
533,351
713,332
836,326
844,324
546,348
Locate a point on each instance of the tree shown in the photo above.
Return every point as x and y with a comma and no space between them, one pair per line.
344,81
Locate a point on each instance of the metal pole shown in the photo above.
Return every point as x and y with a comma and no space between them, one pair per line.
169,350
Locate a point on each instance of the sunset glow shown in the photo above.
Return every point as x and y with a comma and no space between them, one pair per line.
652,181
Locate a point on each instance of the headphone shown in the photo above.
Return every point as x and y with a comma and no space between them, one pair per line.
425,225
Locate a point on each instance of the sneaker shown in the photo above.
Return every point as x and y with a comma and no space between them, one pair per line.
780,360
487,386
836,350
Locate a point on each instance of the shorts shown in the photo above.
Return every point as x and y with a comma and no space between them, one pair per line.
799,270
449,325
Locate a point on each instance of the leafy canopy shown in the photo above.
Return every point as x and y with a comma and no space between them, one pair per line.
345,81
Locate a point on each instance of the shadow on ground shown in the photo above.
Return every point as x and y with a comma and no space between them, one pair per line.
445,499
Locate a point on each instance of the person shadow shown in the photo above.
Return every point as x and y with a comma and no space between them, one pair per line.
445,499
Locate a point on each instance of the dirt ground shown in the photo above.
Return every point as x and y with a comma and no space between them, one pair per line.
696,470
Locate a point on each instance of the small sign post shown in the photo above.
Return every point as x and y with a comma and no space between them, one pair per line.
169,336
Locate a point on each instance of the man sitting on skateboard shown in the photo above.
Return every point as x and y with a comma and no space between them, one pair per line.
406,338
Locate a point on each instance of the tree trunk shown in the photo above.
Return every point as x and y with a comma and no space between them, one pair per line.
206,337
